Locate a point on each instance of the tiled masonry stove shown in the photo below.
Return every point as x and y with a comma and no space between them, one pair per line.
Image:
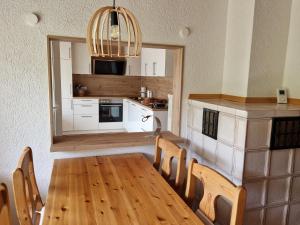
256,145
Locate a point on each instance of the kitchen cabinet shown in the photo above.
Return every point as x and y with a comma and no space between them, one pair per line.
65,50
133,118
66,86
66,78
86,109
67,106
134,114
86,122
67,115
153,62
147,121
67,122
86,114
81,59
85,101
133,66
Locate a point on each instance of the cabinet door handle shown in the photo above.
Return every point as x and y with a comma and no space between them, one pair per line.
154,68
116,105
129,69
145,118
86,105
146,67
72,106
90,69
86,100
71,90
69,53
86,116
132,104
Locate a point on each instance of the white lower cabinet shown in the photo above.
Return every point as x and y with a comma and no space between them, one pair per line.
133,118
138,118
67,114
91,109
86,114
147,120
86,122
67,122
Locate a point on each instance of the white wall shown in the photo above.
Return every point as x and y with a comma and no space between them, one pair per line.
292,64
238,47
269,42
24,114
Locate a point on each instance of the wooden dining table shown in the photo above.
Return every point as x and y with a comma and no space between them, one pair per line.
113,190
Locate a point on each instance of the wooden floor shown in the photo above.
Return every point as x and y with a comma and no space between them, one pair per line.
82,142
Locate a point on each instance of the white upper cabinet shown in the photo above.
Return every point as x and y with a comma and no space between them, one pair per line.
65,50
81,59
66,78
153,62
133,66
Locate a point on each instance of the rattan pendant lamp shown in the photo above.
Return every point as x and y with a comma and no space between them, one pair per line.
113,31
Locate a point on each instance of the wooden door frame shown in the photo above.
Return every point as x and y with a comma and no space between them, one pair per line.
177,78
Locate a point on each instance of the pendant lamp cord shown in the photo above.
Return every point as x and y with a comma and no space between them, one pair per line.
114,3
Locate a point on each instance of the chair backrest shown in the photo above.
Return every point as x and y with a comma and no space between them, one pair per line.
215,185
26,193
170,151
5,216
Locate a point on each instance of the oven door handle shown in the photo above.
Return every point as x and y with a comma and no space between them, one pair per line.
111,105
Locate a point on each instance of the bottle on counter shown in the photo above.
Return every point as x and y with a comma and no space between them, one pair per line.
143,92
149,94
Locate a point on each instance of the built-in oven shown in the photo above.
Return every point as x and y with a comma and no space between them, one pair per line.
110,111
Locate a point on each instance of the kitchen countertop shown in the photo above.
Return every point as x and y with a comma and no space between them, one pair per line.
121,97
103,97
250,106
81,142
249,110
148,107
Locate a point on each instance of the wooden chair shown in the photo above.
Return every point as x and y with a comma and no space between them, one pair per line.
5,216
170,151
214,185
28,201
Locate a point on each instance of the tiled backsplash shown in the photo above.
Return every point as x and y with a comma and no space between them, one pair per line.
242,153
108,85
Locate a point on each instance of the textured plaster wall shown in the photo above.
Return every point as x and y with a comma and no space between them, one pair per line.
292,66
269,43
238,47
24,114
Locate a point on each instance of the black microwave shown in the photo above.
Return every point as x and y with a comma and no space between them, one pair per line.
108,67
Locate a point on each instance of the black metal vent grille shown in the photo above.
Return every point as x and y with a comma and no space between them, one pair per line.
210,123
285,133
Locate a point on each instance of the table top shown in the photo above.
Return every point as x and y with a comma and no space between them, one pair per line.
113,190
